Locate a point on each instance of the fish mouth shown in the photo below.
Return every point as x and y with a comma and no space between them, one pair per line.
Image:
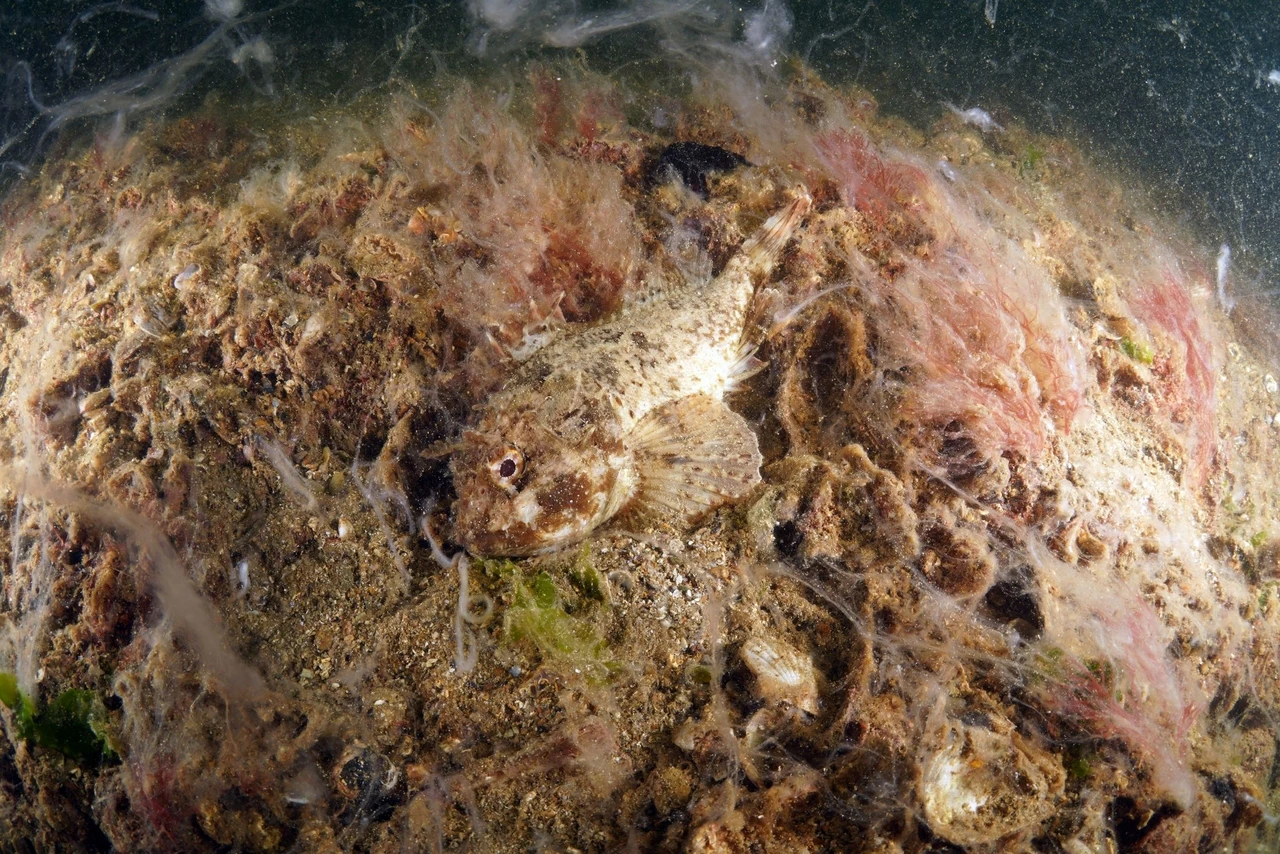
473,530
559,512
514,539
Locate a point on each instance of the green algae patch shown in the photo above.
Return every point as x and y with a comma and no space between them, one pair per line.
1138,351
537,615
24,711
500,568
1077,765
1031,158
1264,595
586,579
74,724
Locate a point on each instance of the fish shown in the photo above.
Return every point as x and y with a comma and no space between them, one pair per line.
627,416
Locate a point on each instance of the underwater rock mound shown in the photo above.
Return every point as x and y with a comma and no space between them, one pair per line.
1007,582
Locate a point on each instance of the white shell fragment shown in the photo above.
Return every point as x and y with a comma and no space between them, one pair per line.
188,273
978,785
782,673
94,400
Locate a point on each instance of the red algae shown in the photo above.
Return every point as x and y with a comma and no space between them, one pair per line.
964,306
534,235
877,186
1103,664
1186,359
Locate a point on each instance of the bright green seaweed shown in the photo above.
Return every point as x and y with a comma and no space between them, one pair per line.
74,723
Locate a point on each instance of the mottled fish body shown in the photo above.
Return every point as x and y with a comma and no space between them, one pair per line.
627,414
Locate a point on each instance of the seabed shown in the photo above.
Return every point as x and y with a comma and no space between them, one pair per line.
1009,583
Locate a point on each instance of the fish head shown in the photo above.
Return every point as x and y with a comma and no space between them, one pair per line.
525,488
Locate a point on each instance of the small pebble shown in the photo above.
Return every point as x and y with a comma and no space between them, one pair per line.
1269,383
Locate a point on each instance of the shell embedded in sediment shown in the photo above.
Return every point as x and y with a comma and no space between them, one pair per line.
781,673
979,785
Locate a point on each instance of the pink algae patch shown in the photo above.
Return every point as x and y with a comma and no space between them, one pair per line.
1165,306
870,181
536,236
979,328
884,189
1137,700
996,355
1104,664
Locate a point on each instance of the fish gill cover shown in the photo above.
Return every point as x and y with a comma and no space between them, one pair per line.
971,544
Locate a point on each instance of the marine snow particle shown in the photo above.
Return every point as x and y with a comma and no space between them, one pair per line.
975,116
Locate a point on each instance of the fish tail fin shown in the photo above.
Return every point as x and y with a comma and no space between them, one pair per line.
763,247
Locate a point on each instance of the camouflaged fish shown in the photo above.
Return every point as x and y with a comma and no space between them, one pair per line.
627,415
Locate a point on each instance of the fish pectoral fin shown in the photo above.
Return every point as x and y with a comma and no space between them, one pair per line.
692,456
745,365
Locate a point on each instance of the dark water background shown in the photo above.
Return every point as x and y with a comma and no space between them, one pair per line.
1184,95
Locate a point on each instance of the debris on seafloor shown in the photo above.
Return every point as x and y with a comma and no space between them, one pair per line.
975,116
999,571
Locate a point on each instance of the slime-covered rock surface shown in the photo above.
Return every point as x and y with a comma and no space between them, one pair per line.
1007,583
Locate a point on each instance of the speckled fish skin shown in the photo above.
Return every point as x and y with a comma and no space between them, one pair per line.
627,413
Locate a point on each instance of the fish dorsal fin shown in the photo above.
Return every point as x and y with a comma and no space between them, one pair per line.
762,249
691,456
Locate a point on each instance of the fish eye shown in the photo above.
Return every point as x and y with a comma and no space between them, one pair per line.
507,467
